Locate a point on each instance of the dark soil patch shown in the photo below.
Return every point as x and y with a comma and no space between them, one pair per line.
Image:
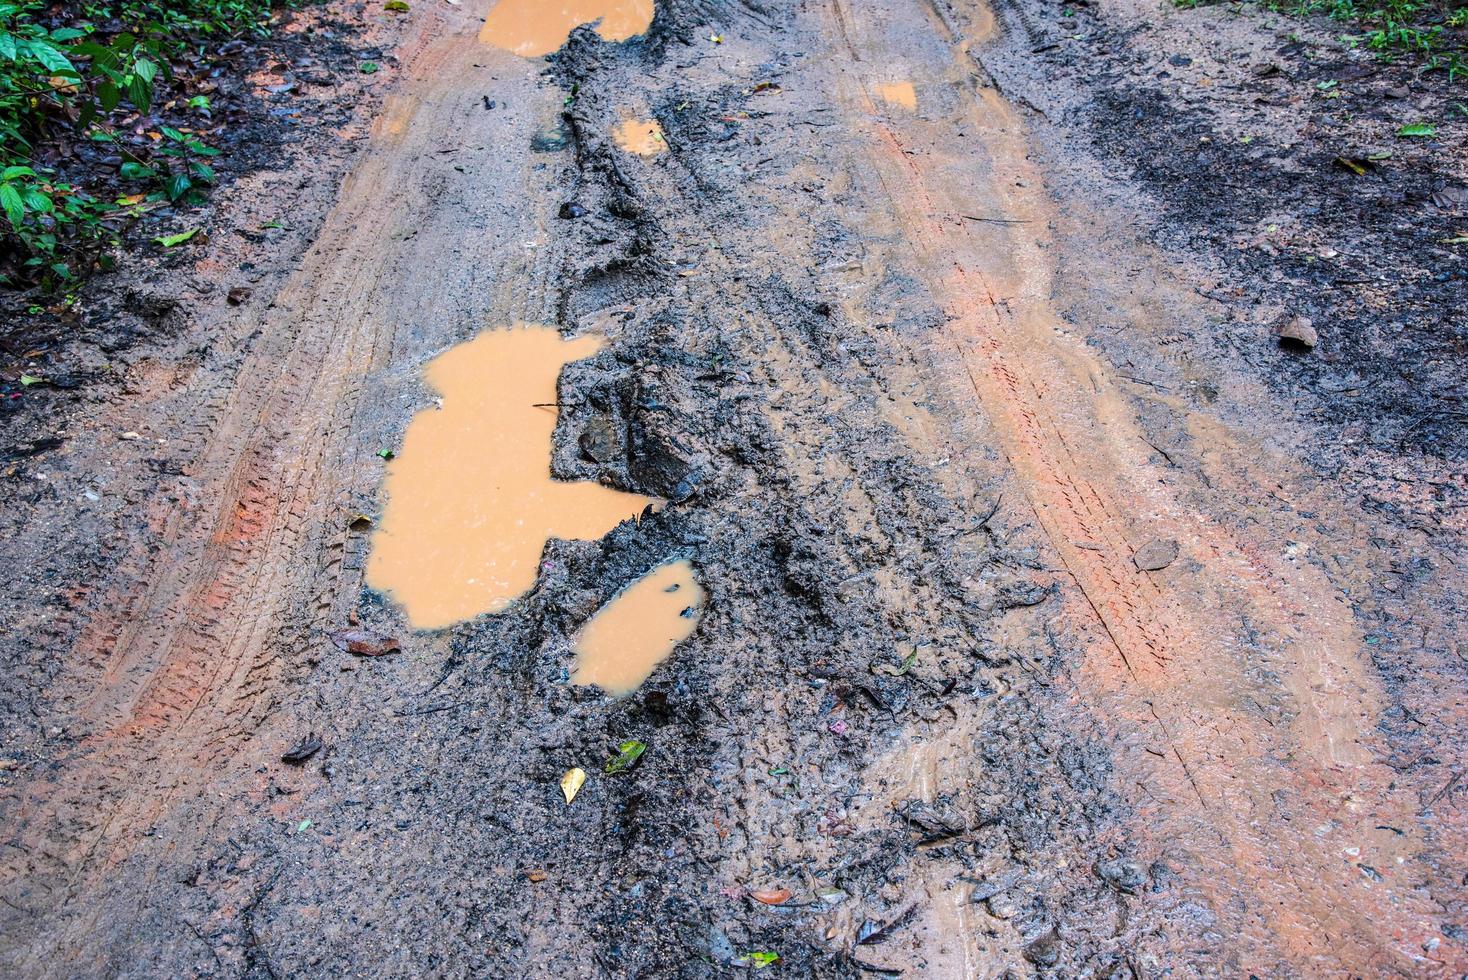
1278,157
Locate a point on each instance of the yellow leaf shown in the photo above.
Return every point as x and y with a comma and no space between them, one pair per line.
571,783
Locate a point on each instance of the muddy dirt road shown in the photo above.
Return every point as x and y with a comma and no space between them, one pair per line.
1044,615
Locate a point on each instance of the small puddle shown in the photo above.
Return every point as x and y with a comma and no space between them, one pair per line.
901,93
533,28
636,631
645,138
470,499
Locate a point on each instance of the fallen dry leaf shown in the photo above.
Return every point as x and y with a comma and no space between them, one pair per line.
302,750
1299,333
572,782
360,643
771,896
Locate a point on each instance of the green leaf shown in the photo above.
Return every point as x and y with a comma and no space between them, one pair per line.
396,6
101,56
202,171
14,207
67,34
177,186
760,959
368,67
172,134
627,754
145,70
51,57
38,202
907,663
140,93
136,171
1418,129
26,380
386,453
169,241
7,46
10,173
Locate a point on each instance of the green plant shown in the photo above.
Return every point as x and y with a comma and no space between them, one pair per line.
47,217
1425,29
75,72
177,168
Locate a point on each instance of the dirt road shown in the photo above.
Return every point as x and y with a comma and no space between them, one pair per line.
1041,632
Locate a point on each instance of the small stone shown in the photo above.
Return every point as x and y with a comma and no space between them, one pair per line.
1045,949
1001,906
600,441
1124,876
1156,554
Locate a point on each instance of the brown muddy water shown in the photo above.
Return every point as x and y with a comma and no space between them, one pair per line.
533,28
470,498
643,137
900,93
629,636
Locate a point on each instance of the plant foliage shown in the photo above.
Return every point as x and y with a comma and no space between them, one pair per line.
75,73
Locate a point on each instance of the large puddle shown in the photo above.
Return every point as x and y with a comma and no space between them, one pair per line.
532,28
470,499
632,634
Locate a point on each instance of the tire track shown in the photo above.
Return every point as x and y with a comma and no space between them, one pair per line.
1179,669
180,668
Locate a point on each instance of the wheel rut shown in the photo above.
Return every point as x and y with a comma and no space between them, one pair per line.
177,665
1180,654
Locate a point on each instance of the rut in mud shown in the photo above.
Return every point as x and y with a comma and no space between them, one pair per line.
985,655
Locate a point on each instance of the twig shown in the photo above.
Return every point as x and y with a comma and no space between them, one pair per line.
997,221
431,710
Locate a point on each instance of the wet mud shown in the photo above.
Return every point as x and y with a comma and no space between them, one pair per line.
1037,629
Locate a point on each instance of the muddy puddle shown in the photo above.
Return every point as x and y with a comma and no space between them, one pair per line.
629,636
470,498
641,136
533,28
900,94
